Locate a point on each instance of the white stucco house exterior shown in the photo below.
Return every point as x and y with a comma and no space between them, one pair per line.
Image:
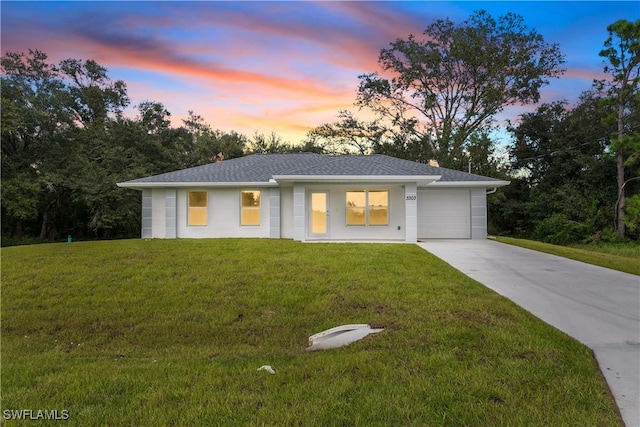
308,197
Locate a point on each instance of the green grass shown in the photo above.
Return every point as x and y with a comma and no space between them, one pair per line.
617,256
146,333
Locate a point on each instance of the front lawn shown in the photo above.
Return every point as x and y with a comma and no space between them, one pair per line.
621,256
171,332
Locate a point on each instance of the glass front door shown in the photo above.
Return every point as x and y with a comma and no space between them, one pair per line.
319,212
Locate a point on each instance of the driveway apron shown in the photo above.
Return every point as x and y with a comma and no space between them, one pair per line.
597,306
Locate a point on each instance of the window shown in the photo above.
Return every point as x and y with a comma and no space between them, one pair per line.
197,208
318,212
356,208
378,207
250,208
368,207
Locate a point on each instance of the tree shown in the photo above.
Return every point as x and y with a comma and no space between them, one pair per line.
536,139
154,117
560,156
62,152
632,220
92,96
271,144
347,135
350,135
403,146
481,150
622,51
457,78
34,117
206,144
94,159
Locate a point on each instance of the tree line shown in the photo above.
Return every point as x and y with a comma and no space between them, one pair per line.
66,140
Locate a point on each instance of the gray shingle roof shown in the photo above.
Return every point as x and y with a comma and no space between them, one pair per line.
258,168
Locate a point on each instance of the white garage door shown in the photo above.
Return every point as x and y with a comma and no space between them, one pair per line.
444,214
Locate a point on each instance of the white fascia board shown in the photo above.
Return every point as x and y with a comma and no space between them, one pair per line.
467,184
421,179
142,185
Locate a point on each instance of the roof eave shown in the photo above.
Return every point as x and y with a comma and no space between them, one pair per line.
430,181
421,179
467,184
167,184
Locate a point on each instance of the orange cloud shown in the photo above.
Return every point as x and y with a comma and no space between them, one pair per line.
256,66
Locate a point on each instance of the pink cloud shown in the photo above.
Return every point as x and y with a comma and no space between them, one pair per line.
584,73
284,66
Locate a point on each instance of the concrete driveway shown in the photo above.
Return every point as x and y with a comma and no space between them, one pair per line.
597,306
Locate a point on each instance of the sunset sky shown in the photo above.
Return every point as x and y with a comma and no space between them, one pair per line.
286,67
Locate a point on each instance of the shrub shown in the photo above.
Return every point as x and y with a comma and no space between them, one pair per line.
560,230
632,213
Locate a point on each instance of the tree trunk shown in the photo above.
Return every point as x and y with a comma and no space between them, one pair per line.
620,225
43,228
17,231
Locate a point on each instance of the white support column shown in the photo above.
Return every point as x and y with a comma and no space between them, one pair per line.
411,212
479,213
147,214
171,204
274,213
299,213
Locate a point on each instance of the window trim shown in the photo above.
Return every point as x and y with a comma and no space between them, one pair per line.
204,208
366,207
253,208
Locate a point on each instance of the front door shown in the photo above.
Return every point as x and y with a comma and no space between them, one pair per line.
318,221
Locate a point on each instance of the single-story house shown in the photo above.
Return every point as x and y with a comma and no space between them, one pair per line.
308,197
